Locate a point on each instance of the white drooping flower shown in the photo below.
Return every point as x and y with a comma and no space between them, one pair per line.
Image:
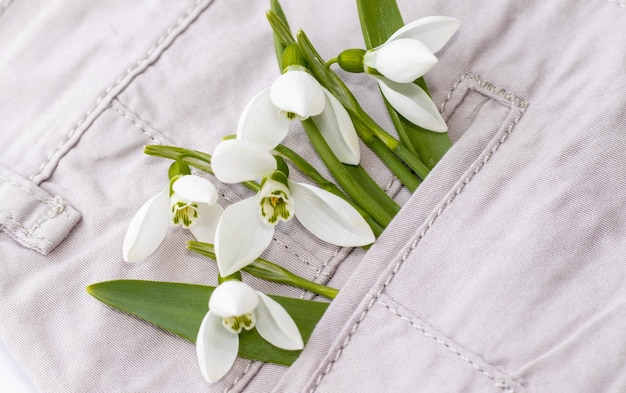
235,306
190,203
247,227
405,56
296,94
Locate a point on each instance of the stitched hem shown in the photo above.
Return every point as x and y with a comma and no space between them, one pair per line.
102,102
519,104
29,235
137,122
316,266
473,360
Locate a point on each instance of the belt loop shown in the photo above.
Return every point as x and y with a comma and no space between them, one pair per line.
31,216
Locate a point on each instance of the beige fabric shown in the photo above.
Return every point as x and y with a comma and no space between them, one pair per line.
503,272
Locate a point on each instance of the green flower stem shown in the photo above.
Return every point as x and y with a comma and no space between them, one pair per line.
379,20
379,196
331,62
396,166
359,194
399,126
332,82
327,185
194,158
269,271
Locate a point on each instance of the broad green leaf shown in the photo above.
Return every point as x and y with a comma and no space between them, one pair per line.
379,20
179,309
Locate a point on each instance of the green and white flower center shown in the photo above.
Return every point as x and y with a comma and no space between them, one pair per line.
183,212
275,202
237,323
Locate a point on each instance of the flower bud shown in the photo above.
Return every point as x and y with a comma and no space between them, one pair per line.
178,168
292,57
351,60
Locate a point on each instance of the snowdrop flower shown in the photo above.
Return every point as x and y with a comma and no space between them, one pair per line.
190,203
247,227
296,94
405,56
235,306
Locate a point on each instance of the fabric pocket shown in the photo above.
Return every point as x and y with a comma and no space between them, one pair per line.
376,336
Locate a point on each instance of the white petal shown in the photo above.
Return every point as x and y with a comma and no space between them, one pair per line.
402,60
432,31
233,298
147,229
276,326
234,161
241,236
196,189
216,348
412,102
205,225
329,217
262,123
337,129
298,92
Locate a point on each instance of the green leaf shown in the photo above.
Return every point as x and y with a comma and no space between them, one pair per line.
268,271
179,309
282,35
367,129
379,20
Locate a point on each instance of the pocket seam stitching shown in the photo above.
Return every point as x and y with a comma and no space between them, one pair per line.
137,122
500,383
495,92
478,164
161,44
135,119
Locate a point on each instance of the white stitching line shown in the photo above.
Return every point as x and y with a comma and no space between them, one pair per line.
56,203
449,96
134,119
21,225
308,264
26,232
236,381
55,210
56,207
413,245
126,113
491,88
321,269
129,70
501,383
26,190
498,91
